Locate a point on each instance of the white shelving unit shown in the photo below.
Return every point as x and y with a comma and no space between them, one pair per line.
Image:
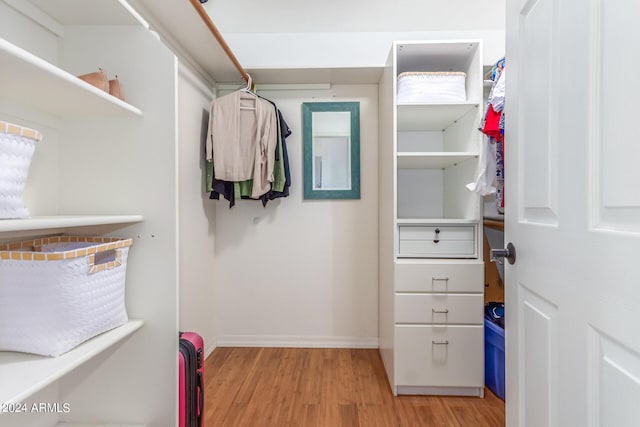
431,269
103,167
25,374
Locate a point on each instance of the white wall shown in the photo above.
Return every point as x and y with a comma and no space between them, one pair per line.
343,49
196,215
301,272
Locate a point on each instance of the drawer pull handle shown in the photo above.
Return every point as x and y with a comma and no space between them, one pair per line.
445,342
445,311
440,279
436,239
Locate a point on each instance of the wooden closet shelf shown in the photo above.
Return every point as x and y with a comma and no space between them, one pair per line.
494,223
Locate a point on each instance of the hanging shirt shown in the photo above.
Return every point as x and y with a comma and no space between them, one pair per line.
497,92
241,140
486,169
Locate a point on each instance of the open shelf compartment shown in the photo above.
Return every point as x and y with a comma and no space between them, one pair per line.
25,374
35,83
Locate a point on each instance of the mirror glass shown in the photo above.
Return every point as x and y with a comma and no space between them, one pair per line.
331,150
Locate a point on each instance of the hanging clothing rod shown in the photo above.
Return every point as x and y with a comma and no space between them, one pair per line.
214,30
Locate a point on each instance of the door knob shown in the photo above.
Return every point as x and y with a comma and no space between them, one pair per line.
509,253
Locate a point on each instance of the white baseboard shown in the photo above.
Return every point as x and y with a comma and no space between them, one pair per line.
441,391
209,347
296,341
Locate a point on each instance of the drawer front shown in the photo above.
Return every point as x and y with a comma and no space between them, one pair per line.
435,241
445,309
446,356
439,278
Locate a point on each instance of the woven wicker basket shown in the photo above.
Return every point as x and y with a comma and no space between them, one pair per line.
17,145
57,292
431,87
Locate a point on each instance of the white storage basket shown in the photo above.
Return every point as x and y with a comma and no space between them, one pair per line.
16,150
425,87
57,292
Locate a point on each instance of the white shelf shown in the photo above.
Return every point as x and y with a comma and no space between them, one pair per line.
434,117
98,425
57,222
432,160
37,84
443,221
25,374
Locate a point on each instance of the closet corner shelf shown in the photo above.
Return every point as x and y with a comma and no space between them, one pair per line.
25,374
58,222
432,160
432,117
32,81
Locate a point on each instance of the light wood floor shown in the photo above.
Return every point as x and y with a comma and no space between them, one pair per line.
280,387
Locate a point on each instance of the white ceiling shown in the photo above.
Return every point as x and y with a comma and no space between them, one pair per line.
295,16
349,39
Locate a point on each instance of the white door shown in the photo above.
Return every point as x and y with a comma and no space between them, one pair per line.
573,213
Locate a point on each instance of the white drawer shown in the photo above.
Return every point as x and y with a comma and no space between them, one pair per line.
440,278
446,309
430,241
446,356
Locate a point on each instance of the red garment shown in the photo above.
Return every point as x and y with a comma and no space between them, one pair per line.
492,124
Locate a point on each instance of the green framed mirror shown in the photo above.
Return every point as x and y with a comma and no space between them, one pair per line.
331,140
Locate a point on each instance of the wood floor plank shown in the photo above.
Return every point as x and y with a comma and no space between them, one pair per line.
302,387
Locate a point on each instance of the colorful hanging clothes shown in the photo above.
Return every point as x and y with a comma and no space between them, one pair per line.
500,167
489,177
242,139
232,190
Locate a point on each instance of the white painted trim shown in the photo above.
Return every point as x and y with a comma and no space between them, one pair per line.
134,13
278,86
441,391
209,347
296,341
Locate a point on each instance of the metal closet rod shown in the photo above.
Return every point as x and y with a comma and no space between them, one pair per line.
214,30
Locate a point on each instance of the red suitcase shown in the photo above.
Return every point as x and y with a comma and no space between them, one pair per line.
191,380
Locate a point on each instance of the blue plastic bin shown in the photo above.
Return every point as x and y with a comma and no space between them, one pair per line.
494,357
